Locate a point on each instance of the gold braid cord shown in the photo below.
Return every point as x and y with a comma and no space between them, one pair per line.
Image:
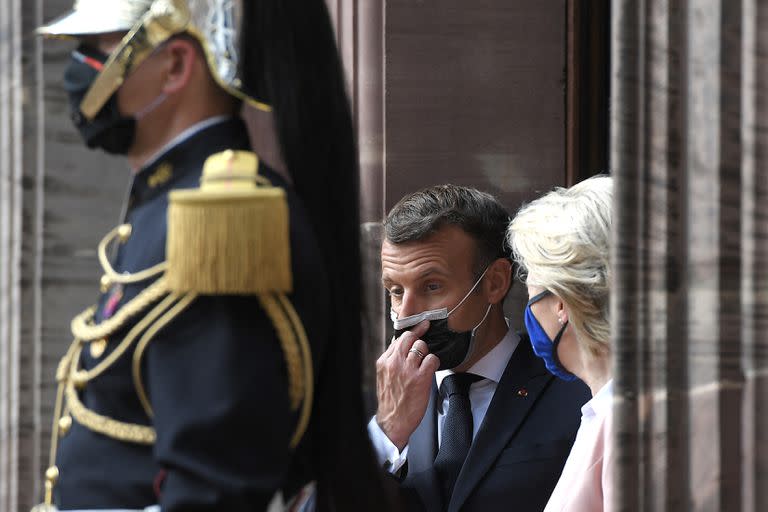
52,473
128,432
112,428
298,356
306,356
84,329
287,337
81,377
288,326
169,315
122,233
71,377
293,341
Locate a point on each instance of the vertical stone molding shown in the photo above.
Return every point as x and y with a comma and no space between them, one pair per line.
21,195
754,280
686,140
360,37
10,252
57,199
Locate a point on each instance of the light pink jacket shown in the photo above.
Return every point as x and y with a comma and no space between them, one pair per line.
585,484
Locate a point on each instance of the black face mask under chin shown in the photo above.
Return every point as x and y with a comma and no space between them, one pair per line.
451,347
109,130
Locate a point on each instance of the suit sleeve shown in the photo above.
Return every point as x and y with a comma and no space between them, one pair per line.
218,386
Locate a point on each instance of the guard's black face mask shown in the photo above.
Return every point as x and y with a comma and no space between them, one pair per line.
109,130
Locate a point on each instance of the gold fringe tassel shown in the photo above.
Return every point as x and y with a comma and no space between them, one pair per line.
229,236
229,246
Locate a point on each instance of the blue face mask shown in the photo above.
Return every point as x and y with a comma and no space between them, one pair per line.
544,347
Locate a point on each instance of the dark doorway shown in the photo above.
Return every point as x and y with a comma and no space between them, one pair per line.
588,88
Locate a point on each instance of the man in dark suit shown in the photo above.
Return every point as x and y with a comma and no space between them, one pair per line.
468,417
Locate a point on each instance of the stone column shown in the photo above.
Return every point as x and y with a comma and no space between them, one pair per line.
754,264
689,273
57,200
21,221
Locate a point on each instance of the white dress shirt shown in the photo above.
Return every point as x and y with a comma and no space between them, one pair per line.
491,367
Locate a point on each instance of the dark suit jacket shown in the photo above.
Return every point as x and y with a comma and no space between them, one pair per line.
518,452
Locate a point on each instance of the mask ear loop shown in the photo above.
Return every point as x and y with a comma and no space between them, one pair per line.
536,298
555,344
141,114
470,291
163,96
473,345
483,320
488,310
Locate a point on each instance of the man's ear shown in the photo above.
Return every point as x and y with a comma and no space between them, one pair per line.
498,280
181,59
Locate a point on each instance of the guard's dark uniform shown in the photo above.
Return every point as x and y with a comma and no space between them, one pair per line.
221,362
215,376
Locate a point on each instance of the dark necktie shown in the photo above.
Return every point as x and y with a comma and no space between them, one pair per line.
456,436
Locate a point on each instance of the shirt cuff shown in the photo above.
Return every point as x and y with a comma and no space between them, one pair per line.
386,452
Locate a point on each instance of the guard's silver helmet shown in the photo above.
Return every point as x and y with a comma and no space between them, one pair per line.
215,23
97,17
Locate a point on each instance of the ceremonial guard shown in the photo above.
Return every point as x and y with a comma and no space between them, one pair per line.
220,366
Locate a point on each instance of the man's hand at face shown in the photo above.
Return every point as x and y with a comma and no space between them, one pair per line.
404,375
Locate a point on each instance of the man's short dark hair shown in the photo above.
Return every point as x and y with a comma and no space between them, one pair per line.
419,215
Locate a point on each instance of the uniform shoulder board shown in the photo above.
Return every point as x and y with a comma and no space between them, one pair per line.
231,235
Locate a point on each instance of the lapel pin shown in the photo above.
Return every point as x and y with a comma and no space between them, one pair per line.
522,392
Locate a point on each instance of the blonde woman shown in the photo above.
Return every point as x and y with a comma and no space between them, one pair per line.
561,243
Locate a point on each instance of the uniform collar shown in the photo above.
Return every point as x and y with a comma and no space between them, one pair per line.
182,137
186,154
491,366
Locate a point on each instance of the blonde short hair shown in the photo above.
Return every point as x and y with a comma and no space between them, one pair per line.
561,242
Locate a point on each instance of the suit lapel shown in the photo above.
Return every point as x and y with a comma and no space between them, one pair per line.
422,450
505,414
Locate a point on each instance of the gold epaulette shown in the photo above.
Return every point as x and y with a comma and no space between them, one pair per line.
231,235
